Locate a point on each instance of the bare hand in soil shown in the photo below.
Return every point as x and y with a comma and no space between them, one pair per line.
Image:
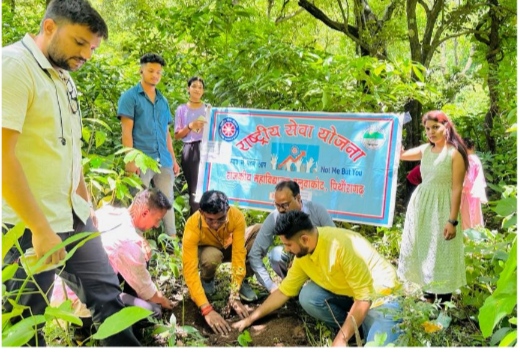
239,308
217,323
242,324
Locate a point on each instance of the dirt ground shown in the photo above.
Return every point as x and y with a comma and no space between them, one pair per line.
282,328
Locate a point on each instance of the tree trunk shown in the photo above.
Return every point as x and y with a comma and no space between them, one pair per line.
492,59
493,44
415,108
414,128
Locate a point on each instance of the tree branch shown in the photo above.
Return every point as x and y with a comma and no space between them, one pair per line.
431,21
478,34
345,17
425,6
389,11
318,14
285,18
440,41
351,31
413,35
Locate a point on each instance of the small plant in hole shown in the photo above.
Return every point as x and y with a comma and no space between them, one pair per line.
244,338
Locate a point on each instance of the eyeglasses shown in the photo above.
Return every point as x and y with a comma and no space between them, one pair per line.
283,206
72,93
286,205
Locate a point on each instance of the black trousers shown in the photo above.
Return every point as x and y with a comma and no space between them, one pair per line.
190,160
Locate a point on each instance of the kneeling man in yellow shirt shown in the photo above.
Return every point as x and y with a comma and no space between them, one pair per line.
214,234
346,274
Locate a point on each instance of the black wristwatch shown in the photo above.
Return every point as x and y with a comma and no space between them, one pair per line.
453,222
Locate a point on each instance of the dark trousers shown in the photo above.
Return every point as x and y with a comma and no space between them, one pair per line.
210,258
88,273
190,166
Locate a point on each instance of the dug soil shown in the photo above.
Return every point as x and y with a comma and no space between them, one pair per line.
283,328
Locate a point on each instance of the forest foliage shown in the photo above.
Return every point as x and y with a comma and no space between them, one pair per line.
356,56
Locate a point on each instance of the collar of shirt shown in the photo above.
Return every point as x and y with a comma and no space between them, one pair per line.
29,42
158,94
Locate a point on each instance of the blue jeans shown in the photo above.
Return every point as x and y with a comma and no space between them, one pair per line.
88,273
312,298
163,181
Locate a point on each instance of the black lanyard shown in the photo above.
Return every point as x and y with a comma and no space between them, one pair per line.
61,138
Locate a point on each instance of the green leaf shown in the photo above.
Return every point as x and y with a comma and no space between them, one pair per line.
503,300
499,335
21,332
379,340
124,150
418,72
131,155
85,133
379,69
16,311
101,136
190,329
512,117
509,222
63,312
103,171
475,235
132,181
98,121
10,237
325,99
9,271
97,185
509,340
502,255
160,329
244,338
111,183
120,321
506,206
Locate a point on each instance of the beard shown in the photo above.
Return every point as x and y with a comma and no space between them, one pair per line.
303,252
57,58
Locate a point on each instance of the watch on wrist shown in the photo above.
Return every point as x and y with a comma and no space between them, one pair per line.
453,222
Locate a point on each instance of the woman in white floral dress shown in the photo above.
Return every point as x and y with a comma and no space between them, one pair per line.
432,248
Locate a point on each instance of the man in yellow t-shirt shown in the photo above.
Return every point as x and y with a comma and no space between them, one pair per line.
214,234
346,273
